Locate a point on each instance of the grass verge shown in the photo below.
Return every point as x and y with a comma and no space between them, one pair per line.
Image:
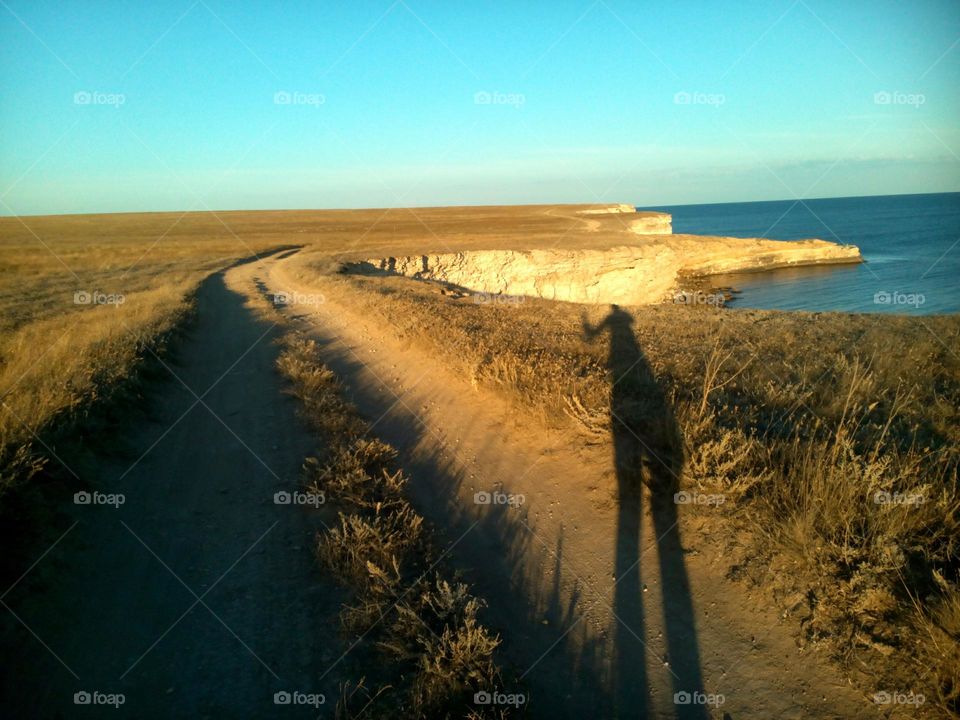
424,629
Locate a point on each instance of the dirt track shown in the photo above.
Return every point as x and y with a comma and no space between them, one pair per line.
607,607
198,597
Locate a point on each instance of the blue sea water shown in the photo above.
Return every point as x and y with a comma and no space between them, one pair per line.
911,244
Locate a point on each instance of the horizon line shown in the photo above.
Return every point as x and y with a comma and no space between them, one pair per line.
465,205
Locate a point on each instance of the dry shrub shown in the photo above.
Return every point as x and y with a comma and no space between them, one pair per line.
377,538
867,523
859,523
18,463
937,629
436,628
862,527
428,606
593,424
729,460
382,591
357,474
453,667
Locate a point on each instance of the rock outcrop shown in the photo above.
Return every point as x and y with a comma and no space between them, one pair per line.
642,223
636,274
618,208
651,224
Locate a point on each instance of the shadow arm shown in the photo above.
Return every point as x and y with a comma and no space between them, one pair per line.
590,331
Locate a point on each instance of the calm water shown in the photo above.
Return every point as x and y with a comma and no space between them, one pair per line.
911,244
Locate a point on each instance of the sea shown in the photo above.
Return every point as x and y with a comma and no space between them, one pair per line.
910,244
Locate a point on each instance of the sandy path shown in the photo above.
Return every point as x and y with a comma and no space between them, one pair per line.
116,600
600,618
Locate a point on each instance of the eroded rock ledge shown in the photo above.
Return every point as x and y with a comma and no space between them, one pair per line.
647,222
640,272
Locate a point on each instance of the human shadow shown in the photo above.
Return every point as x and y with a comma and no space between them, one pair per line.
647,452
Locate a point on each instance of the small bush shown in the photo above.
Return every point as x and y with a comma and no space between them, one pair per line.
378,538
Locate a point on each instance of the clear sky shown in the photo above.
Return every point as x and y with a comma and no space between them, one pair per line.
192,104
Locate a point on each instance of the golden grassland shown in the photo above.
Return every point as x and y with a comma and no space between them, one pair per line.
800,419
834,437
58,358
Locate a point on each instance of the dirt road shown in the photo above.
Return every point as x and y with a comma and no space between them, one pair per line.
198,596
609,603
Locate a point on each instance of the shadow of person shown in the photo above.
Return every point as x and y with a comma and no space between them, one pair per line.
647,452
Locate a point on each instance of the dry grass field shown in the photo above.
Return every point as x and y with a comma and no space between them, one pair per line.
84,298
84,302
834,437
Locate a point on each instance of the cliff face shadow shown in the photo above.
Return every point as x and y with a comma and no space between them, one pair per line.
648,453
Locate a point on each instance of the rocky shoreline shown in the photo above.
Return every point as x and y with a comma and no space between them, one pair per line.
644,270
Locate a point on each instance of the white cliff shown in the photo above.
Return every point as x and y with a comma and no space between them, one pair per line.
636,274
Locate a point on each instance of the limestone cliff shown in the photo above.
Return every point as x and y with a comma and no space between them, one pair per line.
646,272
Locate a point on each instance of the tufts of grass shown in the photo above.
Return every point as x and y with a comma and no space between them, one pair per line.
363,545
437,652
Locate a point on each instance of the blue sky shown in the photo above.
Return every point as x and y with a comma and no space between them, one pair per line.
196,104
